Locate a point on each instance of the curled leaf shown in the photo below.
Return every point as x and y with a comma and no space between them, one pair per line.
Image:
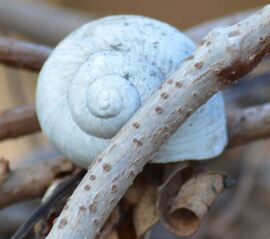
145,214
181,202
183,213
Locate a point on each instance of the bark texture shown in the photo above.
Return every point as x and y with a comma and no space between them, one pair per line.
22,54
30,182
224,56
18,121
248,124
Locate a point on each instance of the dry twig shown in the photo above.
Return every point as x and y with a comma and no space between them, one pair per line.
246,125
23,54
31,182
225,56
18,121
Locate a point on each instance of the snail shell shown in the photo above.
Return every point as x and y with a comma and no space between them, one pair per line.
100,74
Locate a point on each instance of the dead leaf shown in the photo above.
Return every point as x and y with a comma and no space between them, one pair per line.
135,193
151,174
183,213
125,227
181,202
145,214
112,235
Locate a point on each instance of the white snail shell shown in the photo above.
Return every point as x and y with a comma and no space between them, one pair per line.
99,75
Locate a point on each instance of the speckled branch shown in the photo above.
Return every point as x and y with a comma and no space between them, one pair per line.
29,182
225,56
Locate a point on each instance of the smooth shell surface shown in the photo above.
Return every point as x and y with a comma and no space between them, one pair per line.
99,75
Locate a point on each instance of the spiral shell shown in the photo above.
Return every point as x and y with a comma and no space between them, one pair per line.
100,74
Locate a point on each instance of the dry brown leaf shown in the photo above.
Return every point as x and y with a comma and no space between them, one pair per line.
174,177
151,175
125,227
113,235
145,214
183,213
135,193
181,202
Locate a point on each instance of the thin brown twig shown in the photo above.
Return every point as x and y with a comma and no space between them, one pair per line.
250,124
22,54
18,121
244,125
32,181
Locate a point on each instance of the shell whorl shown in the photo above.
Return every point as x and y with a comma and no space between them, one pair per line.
99,75
107,95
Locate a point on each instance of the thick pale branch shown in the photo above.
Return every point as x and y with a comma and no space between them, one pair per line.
18,121
30,182
226,55
22,54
